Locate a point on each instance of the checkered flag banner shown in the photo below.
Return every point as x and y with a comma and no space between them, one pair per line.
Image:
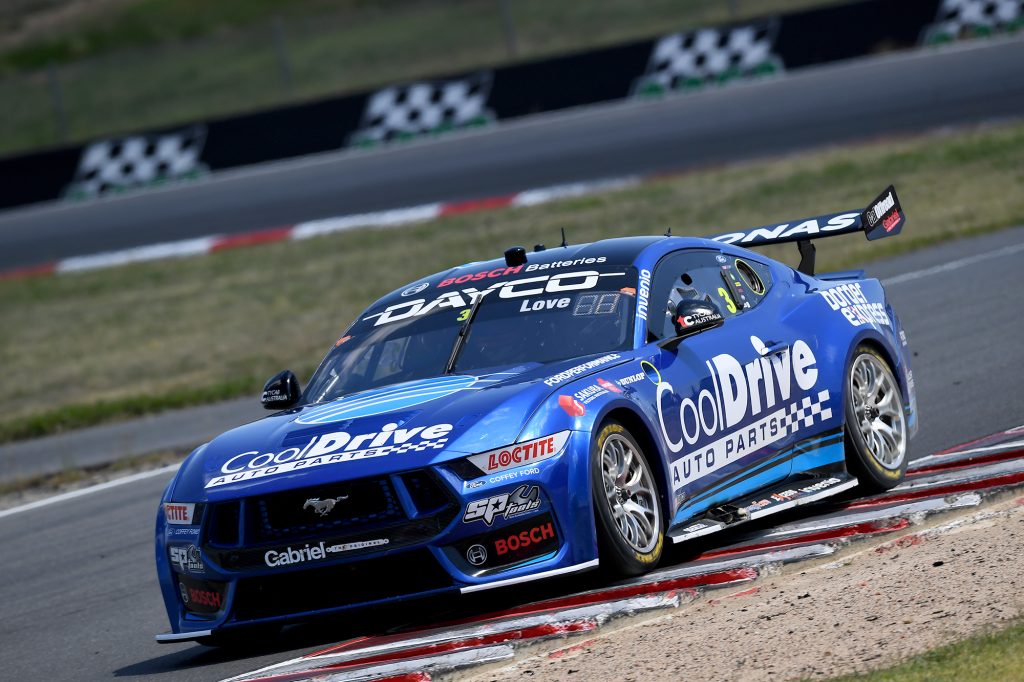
119,164
806,412
968,18
683,61
417,447
405,111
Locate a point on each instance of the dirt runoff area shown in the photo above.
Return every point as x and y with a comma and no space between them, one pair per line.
868,607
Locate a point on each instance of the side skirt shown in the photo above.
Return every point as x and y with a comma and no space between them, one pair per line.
771,500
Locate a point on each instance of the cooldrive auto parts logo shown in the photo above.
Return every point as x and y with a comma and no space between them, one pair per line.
520,288
738,393
331,448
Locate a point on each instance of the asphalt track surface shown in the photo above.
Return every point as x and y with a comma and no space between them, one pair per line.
888,95
78,589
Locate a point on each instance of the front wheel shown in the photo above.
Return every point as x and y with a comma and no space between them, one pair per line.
630,528
876,429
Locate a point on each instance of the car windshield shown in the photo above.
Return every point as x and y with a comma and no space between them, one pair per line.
536,319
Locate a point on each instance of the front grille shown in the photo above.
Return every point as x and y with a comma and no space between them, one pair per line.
348,584
427,495
332,509
222,527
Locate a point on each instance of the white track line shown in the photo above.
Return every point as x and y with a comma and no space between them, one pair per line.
953,265
91,489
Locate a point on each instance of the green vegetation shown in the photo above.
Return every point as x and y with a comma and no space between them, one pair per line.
134,64
11,491
89,347
984,658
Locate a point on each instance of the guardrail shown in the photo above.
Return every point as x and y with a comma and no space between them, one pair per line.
669,64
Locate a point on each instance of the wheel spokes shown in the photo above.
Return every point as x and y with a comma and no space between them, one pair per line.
629,490
879,410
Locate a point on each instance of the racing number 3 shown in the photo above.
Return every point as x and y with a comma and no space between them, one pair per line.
463,316
728,301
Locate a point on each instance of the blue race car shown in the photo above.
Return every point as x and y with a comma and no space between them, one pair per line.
542,414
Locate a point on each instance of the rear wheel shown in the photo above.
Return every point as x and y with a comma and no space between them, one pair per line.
630,527
876,428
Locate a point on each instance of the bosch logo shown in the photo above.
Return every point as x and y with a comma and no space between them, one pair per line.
476,555
203,598
477,276
524,539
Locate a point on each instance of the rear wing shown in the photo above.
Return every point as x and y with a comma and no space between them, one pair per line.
884,217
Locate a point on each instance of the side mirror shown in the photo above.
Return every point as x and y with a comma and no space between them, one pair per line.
282,391
692,317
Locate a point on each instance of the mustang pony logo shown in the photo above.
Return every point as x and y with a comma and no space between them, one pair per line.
323,507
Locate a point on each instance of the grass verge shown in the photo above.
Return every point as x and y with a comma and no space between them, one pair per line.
92,347
984,658
20,491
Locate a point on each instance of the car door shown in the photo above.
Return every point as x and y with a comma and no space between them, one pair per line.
720,399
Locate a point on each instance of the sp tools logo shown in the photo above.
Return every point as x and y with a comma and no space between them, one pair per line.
186,558
522,500
768,386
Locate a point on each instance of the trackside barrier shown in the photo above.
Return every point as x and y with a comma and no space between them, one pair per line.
689,60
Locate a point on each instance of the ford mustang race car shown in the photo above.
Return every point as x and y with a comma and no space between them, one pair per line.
543,414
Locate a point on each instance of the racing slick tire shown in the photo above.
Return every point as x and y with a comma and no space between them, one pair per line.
627,508
876,428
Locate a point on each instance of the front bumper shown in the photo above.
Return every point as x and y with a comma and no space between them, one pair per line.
226,587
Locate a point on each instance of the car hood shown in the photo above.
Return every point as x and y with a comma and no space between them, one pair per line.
380,431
